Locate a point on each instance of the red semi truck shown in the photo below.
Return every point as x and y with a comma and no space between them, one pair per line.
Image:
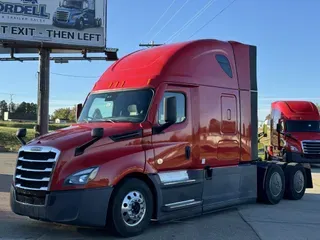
166,133
294,132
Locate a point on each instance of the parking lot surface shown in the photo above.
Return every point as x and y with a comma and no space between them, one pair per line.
292,220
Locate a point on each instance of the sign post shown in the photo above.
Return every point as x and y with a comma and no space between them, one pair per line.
43,91
53,26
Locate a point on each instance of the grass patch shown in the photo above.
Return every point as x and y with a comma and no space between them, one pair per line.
8,131
9,140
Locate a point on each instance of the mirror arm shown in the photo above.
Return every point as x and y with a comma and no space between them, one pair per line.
80,150
21,141
159,129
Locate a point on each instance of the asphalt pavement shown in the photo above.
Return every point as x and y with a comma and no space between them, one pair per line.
292,220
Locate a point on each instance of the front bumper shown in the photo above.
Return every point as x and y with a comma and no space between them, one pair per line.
301,158
68,24
86,207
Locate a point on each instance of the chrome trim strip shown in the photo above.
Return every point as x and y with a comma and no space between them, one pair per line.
33,179
51,160
34,170
182,203
34,189
179,182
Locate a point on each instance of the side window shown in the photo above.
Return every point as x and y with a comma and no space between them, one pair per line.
181,107
224,64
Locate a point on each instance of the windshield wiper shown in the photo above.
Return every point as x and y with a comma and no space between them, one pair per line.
109,120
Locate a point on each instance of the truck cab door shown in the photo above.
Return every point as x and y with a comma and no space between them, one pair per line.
173,146
174,152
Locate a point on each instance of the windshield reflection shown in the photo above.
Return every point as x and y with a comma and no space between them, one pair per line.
120,106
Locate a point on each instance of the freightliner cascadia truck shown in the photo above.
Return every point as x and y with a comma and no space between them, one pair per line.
166,133
76,14
294,132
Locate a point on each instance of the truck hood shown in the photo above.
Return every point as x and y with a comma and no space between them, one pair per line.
300,136
78,134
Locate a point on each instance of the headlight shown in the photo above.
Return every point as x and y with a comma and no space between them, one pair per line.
294,149
74,17
82,177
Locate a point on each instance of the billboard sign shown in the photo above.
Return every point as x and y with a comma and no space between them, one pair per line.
67,23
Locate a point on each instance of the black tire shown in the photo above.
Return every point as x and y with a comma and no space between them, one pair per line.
296,181
98,22
80,24
274,185
116,221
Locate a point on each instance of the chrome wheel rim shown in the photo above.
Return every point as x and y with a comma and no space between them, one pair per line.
275,184
298,181
133,208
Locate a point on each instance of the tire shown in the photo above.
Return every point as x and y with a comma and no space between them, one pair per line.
98,22
296,181
274,185
129,192
80,24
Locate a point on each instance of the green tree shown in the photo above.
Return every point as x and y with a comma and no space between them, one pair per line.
65,113
3,108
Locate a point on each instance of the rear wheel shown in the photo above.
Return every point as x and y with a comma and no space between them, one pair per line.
295,181
131,208
274,185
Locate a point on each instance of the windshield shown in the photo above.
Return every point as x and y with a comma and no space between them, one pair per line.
121,106
303,126
72,4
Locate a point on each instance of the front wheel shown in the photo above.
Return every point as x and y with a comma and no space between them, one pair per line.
295,181
80,24
131,208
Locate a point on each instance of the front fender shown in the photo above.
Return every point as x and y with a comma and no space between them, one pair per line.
115,161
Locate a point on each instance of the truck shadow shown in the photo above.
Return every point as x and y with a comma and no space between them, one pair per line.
5,181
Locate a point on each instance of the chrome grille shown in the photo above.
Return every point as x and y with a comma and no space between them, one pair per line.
62,16
34,168
311,147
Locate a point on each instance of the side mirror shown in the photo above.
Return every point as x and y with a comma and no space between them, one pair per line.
170,111
20,134
279,129
78,110
97,133
170,114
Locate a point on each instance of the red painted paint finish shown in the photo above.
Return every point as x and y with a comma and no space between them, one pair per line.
281,113
216,126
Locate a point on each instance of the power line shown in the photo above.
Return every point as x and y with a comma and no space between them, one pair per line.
170,20
203,26
75,76
164,13
197,15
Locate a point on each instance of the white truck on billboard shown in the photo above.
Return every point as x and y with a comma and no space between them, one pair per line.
71,23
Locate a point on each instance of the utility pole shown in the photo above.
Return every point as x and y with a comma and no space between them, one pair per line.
43,92
152,44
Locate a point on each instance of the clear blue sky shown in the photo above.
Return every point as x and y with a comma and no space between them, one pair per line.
286,33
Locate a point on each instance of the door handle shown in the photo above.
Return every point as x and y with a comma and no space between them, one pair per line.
188,152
